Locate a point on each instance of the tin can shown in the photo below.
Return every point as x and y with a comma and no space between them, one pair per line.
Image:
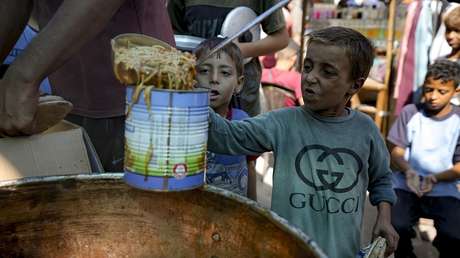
165,140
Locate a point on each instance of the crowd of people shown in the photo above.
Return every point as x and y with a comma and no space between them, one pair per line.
327,155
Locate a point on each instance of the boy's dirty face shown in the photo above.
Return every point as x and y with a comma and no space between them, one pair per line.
218,74
437,94
326,79
453,35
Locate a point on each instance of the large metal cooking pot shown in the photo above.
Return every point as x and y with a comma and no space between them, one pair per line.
100,216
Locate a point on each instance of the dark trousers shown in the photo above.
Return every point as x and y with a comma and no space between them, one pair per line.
445,211
107,136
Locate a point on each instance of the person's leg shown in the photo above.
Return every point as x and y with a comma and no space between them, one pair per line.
444,211
405,213
248,98
107,136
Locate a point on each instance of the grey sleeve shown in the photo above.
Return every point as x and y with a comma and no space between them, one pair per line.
398,131
380,186
251,136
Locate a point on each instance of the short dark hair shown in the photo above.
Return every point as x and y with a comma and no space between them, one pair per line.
444,70
231,49
358,48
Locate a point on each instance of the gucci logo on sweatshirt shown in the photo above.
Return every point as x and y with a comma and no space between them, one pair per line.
334,169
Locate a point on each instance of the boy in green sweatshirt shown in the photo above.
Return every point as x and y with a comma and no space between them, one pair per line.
326,155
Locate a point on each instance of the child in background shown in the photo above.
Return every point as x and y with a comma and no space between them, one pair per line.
426,143
452,23
326,155
222,74
204,18
279,69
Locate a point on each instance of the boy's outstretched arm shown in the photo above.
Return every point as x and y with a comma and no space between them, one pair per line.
251,136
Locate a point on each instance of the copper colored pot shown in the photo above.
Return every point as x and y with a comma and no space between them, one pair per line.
100,216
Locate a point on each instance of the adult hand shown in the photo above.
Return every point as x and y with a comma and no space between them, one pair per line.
384,229
413,181
18,105
428,183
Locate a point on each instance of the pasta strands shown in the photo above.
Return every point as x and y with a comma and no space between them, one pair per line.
163,68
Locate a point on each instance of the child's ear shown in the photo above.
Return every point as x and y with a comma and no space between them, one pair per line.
357,85
239,86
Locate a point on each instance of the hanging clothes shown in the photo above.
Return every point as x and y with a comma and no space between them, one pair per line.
410,19
406,63
423,38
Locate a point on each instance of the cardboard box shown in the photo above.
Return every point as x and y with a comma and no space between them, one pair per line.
64,149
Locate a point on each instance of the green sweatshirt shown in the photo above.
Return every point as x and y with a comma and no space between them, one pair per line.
323,167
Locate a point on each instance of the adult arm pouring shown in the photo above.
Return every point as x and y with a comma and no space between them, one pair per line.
73,25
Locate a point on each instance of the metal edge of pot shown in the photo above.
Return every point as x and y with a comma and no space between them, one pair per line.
270,215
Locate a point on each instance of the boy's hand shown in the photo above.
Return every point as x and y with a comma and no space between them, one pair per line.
387,231
413,181
428,183
384,228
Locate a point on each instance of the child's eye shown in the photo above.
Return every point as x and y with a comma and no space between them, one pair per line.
329,72
308,65
449,30
225,73
442,92
307,68
427,90
203,71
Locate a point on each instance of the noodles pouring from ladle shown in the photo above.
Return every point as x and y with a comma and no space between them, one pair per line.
154,67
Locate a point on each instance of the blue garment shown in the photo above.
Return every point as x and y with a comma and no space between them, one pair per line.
27,35
227,171
432,146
